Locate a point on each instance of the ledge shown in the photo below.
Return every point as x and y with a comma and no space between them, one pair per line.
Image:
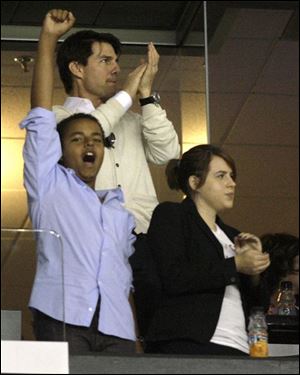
159,364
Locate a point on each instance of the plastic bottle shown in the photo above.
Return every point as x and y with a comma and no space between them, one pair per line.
286,299
258,334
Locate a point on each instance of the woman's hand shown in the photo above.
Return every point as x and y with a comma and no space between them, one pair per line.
247,241
251,261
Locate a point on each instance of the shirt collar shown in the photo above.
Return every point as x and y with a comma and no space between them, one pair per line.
104,195
79,105
110,194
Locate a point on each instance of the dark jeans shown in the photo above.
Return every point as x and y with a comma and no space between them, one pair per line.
82,340
191,347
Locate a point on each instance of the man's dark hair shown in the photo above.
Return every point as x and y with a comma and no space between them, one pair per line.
78,47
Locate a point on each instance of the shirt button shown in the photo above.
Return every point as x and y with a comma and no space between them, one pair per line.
117,164
90,309
119,185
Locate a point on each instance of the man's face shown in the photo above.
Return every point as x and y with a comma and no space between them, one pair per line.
83,149
99,76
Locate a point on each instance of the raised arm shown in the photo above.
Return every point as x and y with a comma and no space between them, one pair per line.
56,23
161,140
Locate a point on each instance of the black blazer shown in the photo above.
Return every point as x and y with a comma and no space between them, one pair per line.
193,273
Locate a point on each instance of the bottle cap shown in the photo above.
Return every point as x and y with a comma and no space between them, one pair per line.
255,309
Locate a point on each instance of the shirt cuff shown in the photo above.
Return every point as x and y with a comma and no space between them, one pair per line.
124,99
36,116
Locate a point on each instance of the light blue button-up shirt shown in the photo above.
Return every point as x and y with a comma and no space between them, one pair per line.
96,232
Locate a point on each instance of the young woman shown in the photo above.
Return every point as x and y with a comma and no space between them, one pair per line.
205,266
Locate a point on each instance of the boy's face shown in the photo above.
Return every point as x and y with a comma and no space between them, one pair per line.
83,149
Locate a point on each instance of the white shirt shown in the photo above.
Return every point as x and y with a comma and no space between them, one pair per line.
150,137
231,328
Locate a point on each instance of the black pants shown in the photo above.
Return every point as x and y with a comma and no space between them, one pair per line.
82,340
190,347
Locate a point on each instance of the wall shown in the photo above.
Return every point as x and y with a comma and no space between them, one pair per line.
254,114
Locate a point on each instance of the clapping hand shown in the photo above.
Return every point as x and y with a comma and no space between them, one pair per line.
247,241
145,87
249,258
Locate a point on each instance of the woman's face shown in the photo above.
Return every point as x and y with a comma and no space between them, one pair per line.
219,188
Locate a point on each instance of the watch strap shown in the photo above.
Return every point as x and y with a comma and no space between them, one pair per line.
152,99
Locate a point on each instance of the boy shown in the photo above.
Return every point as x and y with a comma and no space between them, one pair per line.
61,166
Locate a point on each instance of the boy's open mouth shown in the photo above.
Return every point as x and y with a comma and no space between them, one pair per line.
89,157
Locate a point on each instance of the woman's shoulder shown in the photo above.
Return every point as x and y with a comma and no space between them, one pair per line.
166,215
167,206
182,208
166,210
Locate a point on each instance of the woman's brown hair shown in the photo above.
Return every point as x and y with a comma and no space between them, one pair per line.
194,162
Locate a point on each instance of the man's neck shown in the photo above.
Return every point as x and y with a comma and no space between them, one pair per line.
95,100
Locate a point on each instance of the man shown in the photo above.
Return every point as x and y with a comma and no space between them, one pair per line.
88,66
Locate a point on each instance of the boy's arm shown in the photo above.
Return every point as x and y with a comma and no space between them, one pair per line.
56,23
42,148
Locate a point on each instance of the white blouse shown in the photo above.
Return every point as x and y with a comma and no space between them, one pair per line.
231,327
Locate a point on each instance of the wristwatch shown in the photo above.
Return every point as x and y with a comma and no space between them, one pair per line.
153,99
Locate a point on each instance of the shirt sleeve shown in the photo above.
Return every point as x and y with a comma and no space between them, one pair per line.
109,114
41,152
130,247
131,236
161,139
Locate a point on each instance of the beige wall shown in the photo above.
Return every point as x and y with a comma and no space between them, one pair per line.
254,85
254,95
